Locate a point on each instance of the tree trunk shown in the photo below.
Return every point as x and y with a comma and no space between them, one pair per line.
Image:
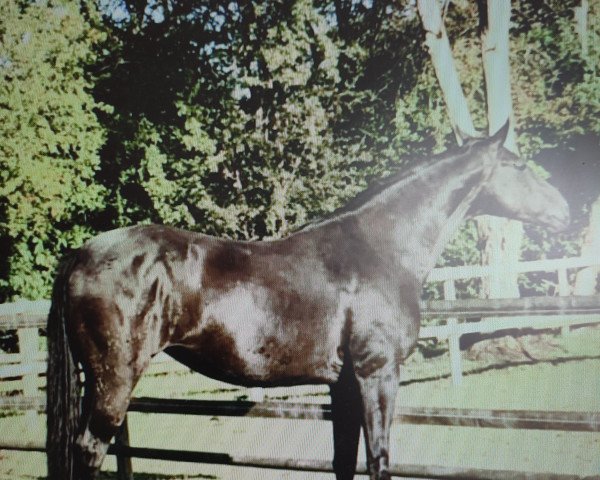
586,281
438,45
496,69
501,238
581,18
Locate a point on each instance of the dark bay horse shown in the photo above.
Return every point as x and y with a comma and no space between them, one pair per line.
335,302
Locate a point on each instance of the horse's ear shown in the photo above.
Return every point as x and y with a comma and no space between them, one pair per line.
500,136
462,137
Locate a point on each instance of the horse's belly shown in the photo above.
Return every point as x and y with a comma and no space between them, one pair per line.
235,370
243,340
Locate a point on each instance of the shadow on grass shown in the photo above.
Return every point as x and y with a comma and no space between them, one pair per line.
154,476
502,366
149,476
143,476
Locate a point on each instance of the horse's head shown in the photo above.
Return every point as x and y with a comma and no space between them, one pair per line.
515,191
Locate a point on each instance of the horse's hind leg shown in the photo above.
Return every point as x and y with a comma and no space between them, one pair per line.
105,405
346,412
112,362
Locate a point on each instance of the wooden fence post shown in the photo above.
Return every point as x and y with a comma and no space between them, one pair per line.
28,350
564,290
453,339
587,278
124,468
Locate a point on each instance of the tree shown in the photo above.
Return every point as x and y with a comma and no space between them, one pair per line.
501,238
247,119
581,19
438,45
50,140
240,117
586,281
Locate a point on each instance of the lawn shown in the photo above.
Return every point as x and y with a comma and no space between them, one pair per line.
556,374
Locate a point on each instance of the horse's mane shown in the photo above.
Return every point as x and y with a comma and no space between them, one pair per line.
407,169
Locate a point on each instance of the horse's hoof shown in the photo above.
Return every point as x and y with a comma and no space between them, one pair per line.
384,475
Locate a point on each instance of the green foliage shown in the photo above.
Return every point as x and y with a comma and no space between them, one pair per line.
556,88
50,140
247,119
247,150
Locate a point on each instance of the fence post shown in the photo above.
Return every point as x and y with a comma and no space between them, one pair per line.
28,350
124,468
564,290
453,339
587,278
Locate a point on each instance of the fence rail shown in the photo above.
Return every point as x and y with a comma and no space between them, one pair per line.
441,274
457,417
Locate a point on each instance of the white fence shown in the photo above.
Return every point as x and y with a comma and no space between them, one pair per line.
453,330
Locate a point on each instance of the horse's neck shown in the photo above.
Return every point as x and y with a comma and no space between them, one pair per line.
415,219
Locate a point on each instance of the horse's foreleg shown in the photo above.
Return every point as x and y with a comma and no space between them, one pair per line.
346,412
378,392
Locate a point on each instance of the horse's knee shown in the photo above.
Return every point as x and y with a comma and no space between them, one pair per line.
106,418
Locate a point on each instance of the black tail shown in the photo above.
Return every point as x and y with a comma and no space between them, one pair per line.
63,388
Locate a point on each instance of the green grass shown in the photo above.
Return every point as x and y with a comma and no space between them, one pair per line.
564,376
